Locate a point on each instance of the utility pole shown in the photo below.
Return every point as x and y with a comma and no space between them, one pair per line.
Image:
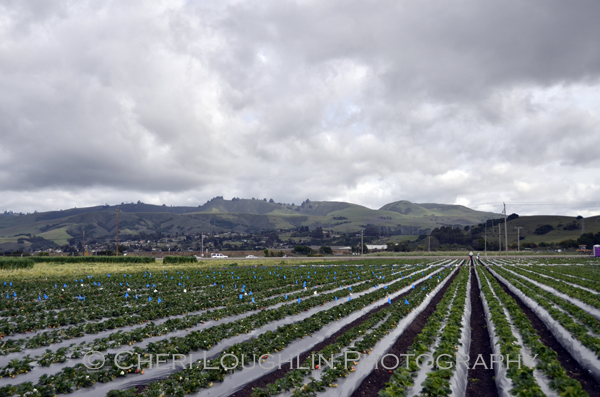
518,238
428,243
117,251
485,238
361,243
499,240
505,231
202,251
84,243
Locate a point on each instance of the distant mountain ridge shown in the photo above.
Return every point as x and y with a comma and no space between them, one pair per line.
240,215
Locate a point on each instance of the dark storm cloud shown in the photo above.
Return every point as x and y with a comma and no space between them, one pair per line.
370,102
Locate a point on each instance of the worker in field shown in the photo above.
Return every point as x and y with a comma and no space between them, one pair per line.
471,258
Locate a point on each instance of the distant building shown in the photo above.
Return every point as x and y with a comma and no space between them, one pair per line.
381,247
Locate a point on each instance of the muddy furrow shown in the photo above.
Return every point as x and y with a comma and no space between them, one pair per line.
481,381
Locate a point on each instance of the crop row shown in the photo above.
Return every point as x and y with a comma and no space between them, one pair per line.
521,375
193,379
108,298
591,284
59,293
197,340
152,330
549,302
155,311
546,358
574,292
438,380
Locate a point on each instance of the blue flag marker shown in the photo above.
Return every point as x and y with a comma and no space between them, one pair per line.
336,298
149,298
405,301
45,296
385,287
413,286
126,295
389,301
285,296
252,300
423,288
136,296
240,296
159,300
299,300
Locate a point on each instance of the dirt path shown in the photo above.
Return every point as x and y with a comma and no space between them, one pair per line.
481,380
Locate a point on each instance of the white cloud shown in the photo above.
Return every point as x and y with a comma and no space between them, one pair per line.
177,102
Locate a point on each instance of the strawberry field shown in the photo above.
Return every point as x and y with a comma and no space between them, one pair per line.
364,327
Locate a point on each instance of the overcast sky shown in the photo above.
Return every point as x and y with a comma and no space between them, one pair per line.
458,101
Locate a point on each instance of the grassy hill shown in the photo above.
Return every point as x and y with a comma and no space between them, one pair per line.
529,224
458,213
218,215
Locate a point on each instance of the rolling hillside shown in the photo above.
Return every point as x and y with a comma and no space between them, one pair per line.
218,215
529,224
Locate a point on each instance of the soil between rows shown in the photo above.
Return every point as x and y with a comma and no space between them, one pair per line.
574,370
481,380
280,373
377,379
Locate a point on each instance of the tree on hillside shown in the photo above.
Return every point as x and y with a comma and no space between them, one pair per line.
511,217
543,229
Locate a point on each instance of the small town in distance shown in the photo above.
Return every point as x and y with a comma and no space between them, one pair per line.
220,228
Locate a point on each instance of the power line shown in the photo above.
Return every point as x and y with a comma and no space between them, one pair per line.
563,204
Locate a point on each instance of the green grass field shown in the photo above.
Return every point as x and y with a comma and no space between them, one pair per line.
530,223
